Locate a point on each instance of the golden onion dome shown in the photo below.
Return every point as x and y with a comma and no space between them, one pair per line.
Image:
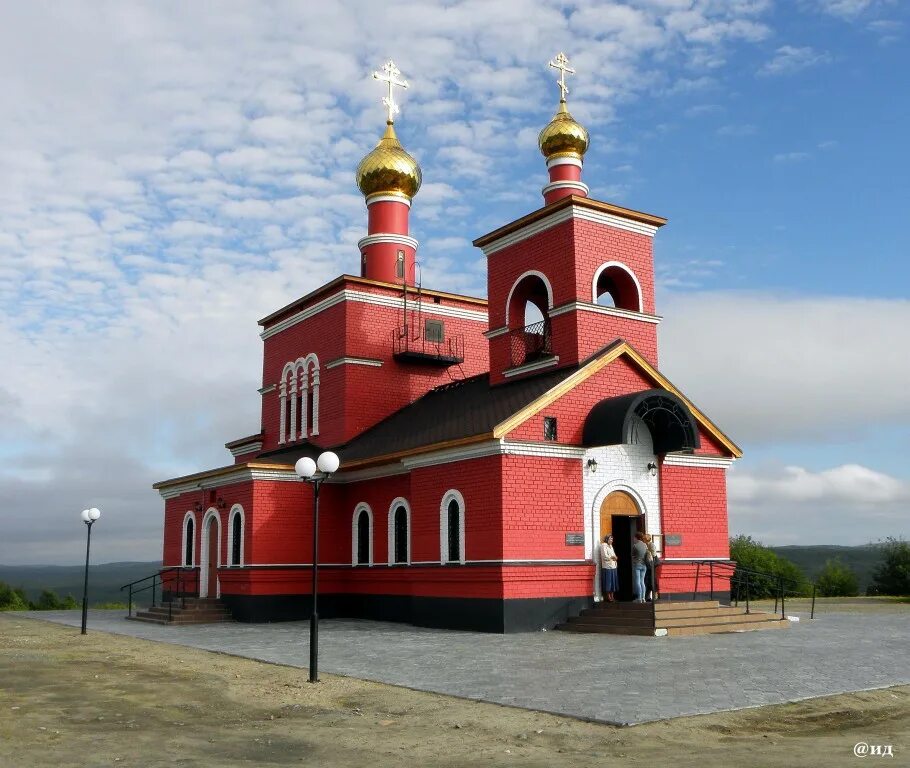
563,136
389,169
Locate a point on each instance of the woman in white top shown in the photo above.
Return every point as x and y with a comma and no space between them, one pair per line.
609,583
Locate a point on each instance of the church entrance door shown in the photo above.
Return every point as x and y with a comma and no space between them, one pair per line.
619,515
211,582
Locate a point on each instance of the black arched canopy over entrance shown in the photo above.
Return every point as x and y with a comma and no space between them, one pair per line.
668,419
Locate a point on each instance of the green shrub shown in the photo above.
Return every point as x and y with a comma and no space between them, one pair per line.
12,599
892,576
753,555
837,580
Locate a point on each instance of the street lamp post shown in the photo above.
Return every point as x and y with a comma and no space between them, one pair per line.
89,516
316,473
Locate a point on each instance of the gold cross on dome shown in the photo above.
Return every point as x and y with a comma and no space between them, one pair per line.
562,64
391,77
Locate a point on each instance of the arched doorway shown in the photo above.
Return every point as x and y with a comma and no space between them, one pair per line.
621,516
209,551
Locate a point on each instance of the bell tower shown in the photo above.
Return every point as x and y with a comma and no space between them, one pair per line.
389,178
572,277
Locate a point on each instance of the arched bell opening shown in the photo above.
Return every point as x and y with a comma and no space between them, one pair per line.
528,318
615,285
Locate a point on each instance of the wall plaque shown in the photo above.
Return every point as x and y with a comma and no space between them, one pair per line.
672,539
575,539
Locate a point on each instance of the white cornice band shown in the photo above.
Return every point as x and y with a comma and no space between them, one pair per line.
387,199
387,237
354,361
240,450
496,332
584,306
427,307
554,161
572,212
546,362
696,460
566,184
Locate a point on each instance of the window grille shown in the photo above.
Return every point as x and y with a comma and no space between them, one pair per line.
434,331
549,428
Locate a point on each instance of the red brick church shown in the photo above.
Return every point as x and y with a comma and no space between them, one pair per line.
486,445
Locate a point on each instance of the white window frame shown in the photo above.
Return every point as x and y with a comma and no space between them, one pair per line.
210,513
399,502
236,511
192,563
444,526
546,282
361,507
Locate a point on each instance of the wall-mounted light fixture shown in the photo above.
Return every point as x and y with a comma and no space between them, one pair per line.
221,504
652,468
592,465
198,506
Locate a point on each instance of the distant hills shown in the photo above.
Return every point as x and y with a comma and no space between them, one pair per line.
812,558
104,580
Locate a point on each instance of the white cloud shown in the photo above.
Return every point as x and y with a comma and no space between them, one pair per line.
737,130
790,157
848,504
849,9
788,59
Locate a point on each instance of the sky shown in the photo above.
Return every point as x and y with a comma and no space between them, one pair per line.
170,172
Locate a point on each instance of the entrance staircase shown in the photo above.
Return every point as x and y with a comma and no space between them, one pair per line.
670,618
189,610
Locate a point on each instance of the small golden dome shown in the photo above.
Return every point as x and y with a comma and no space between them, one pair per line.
389,169
563,136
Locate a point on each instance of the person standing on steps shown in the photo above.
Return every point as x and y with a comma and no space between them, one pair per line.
609,582
640,555
652,582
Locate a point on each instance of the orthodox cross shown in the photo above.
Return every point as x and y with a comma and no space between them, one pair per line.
391,77
562,64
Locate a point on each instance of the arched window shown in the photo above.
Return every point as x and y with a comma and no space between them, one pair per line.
188,543
527,315
362,536
615,285
298,393
451,528
235,535
399,532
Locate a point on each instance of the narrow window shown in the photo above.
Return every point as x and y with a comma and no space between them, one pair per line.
399,265
363,538
454,532
401,535
549,428
309,412
434,331
236,534
188,551
300,416
363,265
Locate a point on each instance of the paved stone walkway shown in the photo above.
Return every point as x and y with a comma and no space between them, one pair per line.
607,678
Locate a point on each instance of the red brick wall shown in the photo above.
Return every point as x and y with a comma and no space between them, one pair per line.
355,397
571,410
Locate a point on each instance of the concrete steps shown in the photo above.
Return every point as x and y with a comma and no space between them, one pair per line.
673,619
194,610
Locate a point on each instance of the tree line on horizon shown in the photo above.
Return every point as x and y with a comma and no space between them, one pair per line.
891,576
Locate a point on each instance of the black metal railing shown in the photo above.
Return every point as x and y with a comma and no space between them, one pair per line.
429,343
182,582
530,343
744,583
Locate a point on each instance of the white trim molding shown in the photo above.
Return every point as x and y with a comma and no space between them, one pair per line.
571,212
381,198
449,496
236,512
387,237
565,184
397,503
584,306
210,514
492,334
192,563
618,265
266,390
367,361
696,460
545,362
355,520
393,302
253,447
564,160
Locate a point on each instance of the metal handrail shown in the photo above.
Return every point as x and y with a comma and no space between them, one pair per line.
157,579
744,579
